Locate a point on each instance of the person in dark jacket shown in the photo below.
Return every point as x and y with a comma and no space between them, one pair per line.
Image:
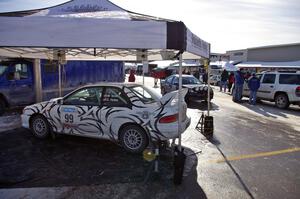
253,84
238,86
131,77
224,78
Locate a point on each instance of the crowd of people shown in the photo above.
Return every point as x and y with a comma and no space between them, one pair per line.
237,80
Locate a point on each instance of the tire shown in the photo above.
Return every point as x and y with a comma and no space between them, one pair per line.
282,101
133,139
2,106
40,127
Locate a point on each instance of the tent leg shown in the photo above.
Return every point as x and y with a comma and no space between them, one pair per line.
180,101
59,80
38,80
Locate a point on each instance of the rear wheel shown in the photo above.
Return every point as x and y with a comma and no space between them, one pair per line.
2,106
282,100
40,127
133,139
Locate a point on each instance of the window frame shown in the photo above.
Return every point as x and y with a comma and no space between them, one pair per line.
263,80
85,88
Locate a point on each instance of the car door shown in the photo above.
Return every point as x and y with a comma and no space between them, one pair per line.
20,84
116,109
80,113
267,86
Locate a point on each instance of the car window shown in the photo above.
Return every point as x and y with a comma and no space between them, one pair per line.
85,96
169,80
269,78
145,95
190,80
289,79
2,69
20,71
175,80
114,97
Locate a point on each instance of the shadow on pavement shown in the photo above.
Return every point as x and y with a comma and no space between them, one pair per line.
270,110
202,105
75,161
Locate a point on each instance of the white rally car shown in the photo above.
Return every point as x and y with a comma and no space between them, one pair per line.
129,114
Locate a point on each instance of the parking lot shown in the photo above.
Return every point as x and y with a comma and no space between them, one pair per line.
254,154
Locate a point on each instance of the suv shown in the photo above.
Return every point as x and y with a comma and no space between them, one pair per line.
281,87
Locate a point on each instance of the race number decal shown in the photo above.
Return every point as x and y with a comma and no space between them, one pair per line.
69,118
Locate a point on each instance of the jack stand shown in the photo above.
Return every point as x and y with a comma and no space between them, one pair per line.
205,125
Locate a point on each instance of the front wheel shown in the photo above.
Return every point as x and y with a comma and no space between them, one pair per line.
282,101
133,139
40,127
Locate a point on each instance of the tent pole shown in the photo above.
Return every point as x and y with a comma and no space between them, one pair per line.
180,102
208,90
38,80
59,80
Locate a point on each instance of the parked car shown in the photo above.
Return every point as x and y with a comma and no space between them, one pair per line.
129,114
17,81
215,80
281,87
196,89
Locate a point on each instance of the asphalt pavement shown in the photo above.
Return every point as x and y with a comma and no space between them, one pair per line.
254,153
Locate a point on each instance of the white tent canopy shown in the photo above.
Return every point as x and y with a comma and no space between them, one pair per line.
229,66
96,29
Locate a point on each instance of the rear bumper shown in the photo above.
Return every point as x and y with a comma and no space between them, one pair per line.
171,130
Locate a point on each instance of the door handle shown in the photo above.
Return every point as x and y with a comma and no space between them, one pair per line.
272,86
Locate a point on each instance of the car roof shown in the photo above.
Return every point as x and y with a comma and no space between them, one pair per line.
183,75
117,84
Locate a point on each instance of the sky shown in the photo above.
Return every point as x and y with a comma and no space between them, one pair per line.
225,24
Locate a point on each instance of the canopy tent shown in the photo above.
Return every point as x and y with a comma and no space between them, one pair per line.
97,29
229,66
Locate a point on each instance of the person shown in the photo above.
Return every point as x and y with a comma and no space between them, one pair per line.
230,81
205,78
131,77
224,78
253,84
238,86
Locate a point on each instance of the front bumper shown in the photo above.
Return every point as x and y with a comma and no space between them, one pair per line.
25,121
198,96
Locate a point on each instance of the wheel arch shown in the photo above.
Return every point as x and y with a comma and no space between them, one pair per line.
135,124
2,97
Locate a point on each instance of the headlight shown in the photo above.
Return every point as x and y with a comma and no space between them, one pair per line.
205,88
201,88
197,89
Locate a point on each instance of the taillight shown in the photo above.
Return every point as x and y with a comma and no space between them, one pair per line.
298,91
168,119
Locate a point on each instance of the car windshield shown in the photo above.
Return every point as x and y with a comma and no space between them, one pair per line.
190,80
147,95
2,69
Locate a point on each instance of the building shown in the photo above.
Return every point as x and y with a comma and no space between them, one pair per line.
274,53
275,57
